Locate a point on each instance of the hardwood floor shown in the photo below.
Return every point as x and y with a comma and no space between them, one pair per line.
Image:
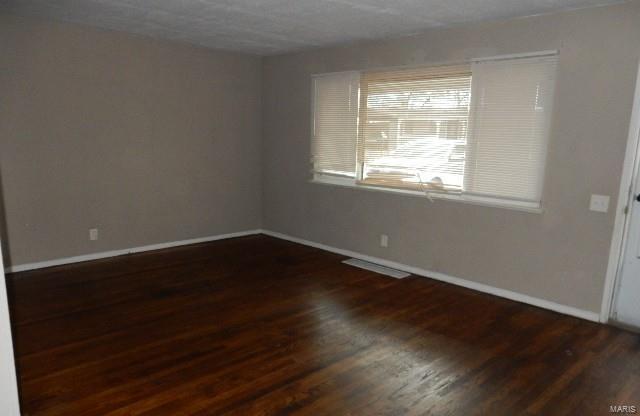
256,325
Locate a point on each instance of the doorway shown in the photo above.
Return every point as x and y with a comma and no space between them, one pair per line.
624,307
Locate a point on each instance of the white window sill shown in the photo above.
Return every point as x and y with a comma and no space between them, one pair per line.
467,199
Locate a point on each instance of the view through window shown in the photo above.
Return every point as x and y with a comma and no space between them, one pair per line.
414,128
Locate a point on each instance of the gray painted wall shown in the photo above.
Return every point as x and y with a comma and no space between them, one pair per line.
560,255
150,141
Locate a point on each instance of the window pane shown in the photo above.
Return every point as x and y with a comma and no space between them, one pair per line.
414,127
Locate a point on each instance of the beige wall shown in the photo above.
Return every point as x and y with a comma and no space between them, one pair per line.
150,141
560,255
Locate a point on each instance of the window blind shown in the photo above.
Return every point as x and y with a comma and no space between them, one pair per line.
335,124
510,117
479,130
413,127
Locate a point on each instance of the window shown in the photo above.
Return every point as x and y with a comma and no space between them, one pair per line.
413,128
473,131
335,123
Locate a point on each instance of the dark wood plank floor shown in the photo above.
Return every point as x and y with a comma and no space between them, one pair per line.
257,325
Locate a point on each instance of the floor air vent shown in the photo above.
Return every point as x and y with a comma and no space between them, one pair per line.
376,268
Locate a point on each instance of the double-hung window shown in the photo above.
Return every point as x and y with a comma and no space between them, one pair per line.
477,131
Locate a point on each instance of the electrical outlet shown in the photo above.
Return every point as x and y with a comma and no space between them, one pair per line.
93,234
599,203
384,240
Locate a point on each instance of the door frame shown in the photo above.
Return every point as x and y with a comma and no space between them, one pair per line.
628,185
9,399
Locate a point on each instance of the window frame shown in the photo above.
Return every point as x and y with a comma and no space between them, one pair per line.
536,207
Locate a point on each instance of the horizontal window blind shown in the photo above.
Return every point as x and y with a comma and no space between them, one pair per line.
479,129
511,113
413,127
335,123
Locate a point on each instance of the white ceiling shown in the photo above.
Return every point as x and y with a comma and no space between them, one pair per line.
268,27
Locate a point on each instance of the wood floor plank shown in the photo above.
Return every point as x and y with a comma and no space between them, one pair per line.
261,326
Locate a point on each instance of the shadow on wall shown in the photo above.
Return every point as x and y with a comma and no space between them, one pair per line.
4,235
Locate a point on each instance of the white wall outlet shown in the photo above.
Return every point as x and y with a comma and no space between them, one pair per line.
384,240
599,203
93,234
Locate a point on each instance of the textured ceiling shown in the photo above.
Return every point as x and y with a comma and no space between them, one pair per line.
268,27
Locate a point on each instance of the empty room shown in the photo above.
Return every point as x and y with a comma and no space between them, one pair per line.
319,207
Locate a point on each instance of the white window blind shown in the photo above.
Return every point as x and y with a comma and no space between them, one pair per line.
478,131
413,127
335,124
511,113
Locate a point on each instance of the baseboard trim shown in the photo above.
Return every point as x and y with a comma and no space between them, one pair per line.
122,252
503,293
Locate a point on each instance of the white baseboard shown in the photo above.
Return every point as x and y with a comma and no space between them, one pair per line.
114,253
503,293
